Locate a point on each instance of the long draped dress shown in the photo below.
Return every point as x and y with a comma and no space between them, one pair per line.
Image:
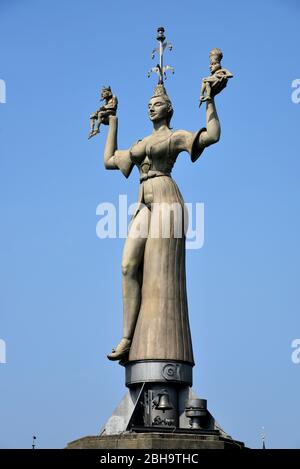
162,330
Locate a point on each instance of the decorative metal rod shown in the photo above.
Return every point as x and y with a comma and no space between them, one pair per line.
160,69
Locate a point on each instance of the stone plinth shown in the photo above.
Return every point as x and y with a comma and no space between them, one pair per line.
158,440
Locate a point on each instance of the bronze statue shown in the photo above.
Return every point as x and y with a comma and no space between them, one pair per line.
156,324
102,114
217,77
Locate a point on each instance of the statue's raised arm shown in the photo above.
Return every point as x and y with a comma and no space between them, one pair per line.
211,86
195,142
114,158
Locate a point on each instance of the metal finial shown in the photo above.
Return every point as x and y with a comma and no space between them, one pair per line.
160,69
33,441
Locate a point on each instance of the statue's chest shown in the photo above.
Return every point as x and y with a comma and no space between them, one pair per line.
151,151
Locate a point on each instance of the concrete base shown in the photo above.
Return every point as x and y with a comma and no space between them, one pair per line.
156,441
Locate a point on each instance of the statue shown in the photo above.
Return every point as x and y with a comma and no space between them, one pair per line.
217,77
156,347
156,325
101,116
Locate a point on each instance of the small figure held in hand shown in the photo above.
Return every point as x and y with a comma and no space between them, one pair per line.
218,76
102,114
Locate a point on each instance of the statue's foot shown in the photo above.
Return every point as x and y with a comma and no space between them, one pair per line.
92,134
121,351
201,100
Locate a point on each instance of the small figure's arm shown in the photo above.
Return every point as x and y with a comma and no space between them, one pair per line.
224,73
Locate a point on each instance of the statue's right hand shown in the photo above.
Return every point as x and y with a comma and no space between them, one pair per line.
109,120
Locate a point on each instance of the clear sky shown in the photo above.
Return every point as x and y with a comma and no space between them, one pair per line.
61,309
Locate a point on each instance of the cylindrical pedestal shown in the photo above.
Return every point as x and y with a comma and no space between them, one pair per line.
160,382
158,371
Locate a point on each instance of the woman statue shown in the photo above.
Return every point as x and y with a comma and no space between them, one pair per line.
156,324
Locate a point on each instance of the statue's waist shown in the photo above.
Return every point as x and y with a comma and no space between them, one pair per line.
153,174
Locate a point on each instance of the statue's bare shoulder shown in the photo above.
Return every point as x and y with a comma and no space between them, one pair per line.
182,140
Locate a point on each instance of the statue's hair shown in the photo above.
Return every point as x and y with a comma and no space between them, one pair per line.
170,110
216,52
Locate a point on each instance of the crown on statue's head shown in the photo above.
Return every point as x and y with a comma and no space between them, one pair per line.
216,54
160,90
106,88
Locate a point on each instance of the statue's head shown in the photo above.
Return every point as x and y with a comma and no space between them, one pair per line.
106,92
215,56
160,106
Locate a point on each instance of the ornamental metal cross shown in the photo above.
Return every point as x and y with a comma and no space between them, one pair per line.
160,69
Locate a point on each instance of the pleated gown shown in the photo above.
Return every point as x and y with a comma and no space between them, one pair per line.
162,330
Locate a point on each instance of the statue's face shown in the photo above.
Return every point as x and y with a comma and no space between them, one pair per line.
158,109
214,66
105,94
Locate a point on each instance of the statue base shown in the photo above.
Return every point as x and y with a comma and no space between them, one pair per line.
159,440
130,428
159,411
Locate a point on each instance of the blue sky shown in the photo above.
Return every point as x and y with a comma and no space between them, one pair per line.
60,303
